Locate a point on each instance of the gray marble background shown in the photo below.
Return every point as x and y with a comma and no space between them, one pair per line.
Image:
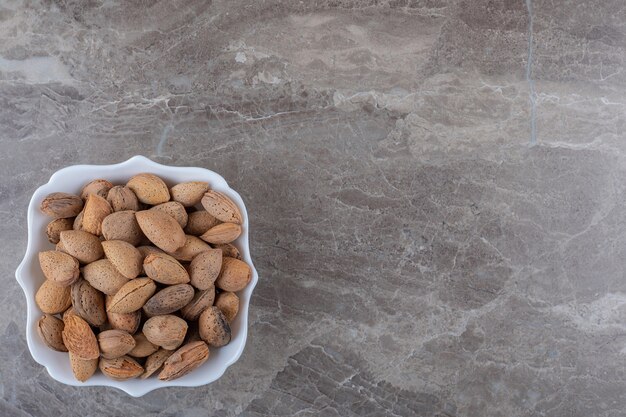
436,190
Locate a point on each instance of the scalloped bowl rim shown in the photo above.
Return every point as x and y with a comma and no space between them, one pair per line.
57,363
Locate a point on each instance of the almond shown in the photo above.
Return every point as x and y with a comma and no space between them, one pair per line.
79,338
103,276
55,227
199,222
214,328
96,209
193,246
165,269
122,225
168,300
121,368
205,268
155,361
228,249
175,210
115,343
235,275
61,205
124,257
165,331
99,187
68,313
50,330
184,360
88,303
83,369
132,296
161,229
189,193
129,322
78,222
221,207
143,347
52,298
149,189
81,245
122,198
228,303
200,302
59,267
222,233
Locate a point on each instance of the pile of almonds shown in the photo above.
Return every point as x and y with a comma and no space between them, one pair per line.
141,278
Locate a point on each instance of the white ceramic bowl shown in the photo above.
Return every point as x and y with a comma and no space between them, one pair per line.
30,277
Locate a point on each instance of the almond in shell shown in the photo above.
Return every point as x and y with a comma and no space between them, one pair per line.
132,296
214,328
169,300
166,331
193,246
199,222
55,227
221,207
122,225
143,347
99,187
79,338
52,298
115,343
161,229
165,269
149,189
96,209
120,369
228,303
122,198
184,360
222,233
228,249
82,369
205,268
50,330
129,322
124,257
155,361
78,222
61,205
103,276
200,302
88,303
235,275
174,209
81,245
189,193
59,267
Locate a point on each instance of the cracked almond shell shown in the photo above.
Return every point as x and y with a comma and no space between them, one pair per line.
61,205
184,360
132,296
50,329
120,369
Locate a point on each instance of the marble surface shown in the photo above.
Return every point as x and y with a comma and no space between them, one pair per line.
436,192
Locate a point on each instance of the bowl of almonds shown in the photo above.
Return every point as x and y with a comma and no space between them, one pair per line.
137,276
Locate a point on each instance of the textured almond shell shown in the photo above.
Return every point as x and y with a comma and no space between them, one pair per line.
103,276
221,207
143,347
115,343
59,267
199,222
124,257
169,299
165,269
166,331
122,198
193,246
184,360
189,193
96,209
222,233
149,189
61,205
161,229
81,245
205,268
88,303
228,249
122,225
50,330
132,296
78,222
79,338
214,328
120,369
83,369
99,187
228,303
235,275
155,361
200,302
129,322
52,298
175,210
55,227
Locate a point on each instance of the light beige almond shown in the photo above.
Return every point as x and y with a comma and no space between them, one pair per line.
230,250
79,338
184,360
83,369
214,328
193,246
78,222
143,347
61,205
124,257
199,222
175,210
81,245
221,207
200,302
166,331
115,343
122,198
222,233
169,300
205,268
120,369
88,303
50,330
132,296
59,267
68,313
129,322
149,189
55,227
165,269
228,303
235,275
99,187
162,229
122,225
96,209
103,276
52,298
155,361
189,193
